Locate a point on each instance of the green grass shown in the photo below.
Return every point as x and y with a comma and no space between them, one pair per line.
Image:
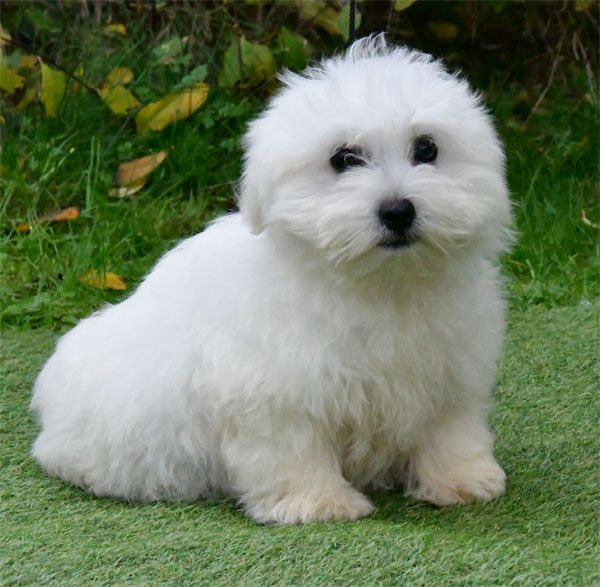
544,531
71,160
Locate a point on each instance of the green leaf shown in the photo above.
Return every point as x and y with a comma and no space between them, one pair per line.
169,51
343,21
319,14
10,80
257,64
444,31
293,49
401,5
198,74
54,84
40,20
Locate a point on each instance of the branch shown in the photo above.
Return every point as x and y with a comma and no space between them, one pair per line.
55,65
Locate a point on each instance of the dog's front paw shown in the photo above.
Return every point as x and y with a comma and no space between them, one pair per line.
479,481
326,505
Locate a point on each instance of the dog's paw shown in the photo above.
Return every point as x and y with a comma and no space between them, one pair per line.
326,505
480,482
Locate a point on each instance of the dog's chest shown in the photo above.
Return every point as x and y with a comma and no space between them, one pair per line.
391,380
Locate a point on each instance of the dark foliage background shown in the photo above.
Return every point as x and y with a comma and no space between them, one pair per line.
536,62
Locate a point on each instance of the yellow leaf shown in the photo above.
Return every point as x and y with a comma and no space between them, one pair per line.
113,93
2,119
444,31
54,85
28,96
76,86
26,62
5,37
257,63
115,29
343,21
171,108
61,215
321,15
118,98
132,175
10,80
401,5
119,75
106,280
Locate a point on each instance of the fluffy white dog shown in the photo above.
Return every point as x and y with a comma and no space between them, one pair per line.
341,333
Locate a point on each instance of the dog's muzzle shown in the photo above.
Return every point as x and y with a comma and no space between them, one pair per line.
398,218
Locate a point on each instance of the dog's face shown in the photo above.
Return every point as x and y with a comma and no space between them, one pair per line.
378,153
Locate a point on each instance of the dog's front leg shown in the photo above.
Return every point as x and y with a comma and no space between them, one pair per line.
288,473
453,462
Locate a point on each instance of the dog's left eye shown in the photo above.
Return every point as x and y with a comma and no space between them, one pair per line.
425,150
345,158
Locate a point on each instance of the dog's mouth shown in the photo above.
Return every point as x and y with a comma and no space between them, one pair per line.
398,240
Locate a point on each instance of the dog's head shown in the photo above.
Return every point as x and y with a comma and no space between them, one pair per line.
379,152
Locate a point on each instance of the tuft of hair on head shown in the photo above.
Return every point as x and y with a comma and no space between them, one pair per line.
374,45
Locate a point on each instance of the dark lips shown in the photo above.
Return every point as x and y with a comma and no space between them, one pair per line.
397,241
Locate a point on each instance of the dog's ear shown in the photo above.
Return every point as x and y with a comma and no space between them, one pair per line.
254,190
250,203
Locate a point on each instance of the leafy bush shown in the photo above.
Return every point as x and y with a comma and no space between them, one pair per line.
121,125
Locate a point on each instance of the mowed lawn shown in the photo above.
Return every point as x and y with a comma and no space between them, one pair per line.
543,532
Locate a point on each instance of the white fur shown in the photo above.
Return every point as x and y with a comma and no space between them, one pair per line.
296,363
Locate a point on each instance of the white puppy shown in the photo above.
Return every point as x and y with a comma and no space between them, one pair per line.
340,334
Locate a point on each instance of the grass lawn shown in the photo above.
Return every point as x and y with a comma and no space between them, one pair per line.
543,532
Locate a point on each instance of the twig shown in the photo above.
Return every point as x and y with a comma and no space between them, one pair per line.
579,50
55,65
587,221
549,83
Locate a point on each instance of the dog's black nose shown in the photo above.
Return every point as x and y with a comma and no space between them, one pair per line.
397,215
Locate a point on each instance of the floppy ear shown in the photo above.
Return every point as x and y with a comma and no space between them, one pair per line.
250,203
255,185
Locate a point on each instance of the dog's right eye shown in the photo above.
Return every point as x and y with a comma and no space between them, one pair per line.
345,158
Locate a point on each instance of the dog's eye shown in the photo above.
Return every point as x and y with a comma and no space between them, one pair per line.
345,158
424,150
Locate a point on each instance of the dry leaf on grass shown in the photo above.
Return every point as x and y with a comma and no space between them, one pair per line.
54,84
318,13
61,215
103,280
132,175
10,80
401,5
171,108
114,94
118,98
115,29
119,75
